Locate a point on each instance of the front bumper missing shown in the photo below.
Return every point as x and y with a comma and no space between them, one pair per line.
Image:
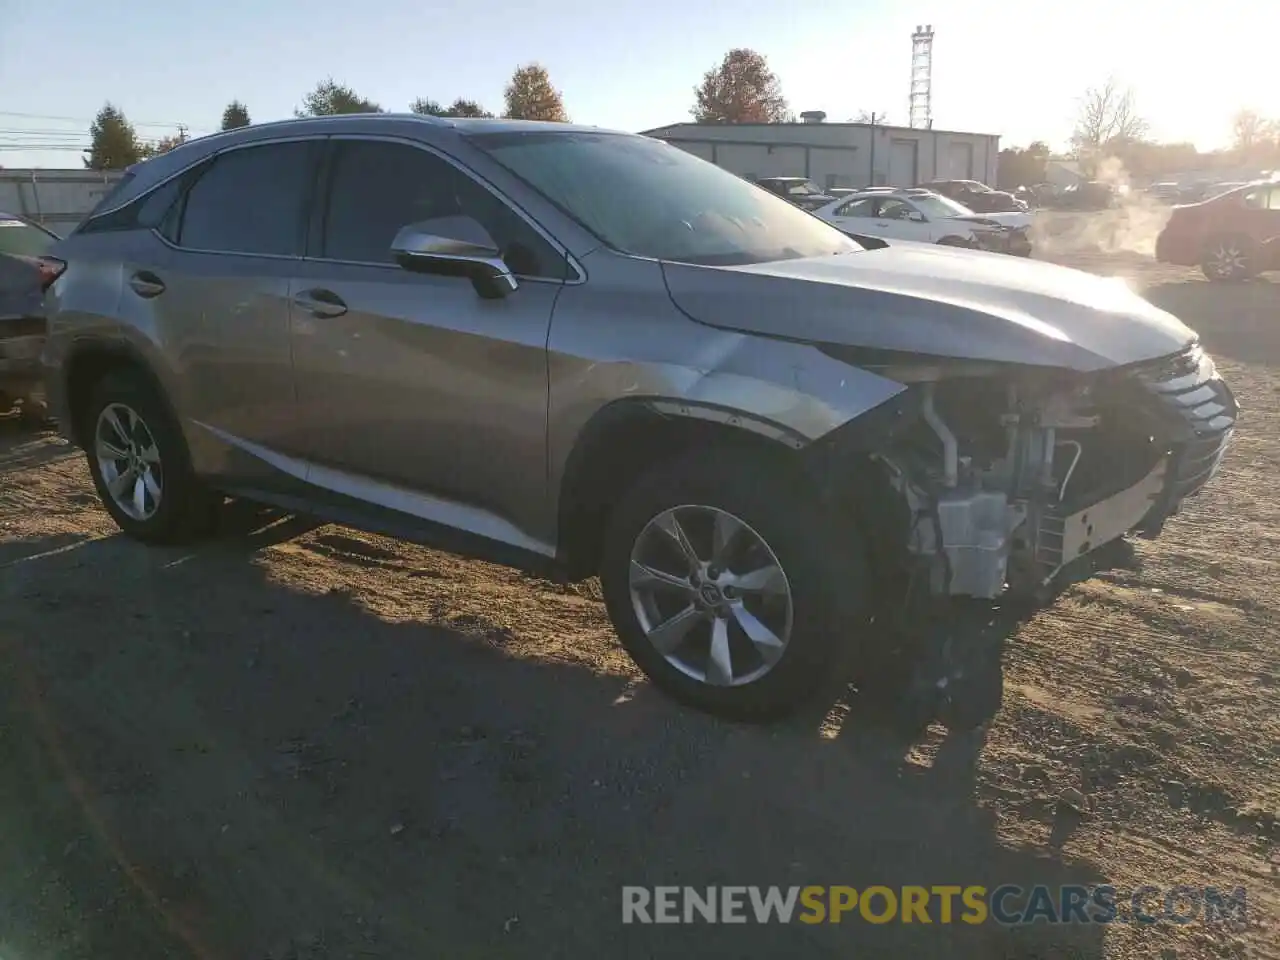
1200,411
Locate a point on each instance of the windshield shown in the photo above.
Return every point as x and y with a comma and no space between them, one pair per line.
975,187
801,188
22,239
650,199
934,206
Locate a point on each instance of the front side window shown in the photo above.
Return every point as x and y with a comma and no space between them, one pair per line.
377,188
894,209
647,198
251,201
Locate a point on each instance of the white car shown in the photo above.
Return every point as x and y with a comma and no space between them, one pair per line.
927,217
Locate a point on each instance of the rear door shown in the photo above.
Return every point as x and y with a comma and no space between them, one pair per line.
216,290
415,392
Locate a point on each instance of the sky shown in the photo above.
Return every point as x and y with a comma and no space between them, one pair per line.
1017,69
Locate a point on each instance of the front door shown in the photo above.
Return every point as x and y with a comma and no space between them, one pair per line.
896,215
859,216
414,392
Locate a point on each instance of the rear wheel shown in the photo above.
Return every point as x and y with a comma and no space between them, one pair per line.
729,587
1227,258
140,465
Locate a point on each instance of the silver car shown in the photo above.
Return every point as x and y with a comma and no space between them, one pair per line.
589,353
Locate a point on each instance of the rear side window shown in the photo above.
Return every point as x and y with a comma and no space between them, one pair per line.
376,188
146,212
252,201
114,191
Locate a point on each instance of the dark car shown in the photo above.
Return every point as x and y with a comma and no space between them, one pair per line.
977,196
1087,195
1232,236
801,191
26,271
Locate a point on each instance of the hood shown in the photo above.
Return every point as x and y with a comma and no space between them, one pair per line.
928,299
1014,219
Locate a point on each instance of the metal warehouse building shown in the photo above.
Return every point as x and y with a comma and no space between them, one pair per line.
839,154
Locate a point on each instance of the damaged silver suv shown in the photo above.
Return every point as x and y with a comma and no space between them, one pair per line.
589,353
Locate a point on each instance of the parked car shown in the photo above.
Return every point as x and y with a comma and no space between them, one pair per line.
1088,195
799,190
977,196
24,275
921,215
587,353
1232,236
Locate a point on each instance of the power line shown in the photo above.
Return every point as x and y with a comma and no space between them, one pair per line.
49,116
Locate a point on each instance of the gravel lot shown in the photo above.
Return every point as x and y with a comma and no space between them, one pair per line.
303,741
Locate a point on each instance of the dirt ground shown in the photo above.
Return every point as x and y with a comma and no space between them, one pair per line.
301,741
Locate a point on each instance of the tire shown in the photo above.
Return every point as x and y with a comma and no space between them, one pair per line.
818,603
184,509
1227,258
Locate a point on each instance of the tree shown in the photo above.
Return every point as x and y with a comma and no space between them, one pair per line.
113,141
163,145
865,116
742,89
427,107
469,108
459,108
330,98
1022,168
236,115
530,96
1107,123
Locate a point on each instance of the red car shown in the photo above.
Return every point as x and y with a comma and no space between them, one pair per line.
1230,237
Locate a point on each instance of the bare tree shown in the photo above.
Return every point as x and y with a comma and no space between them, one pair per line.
1108,118
1248,129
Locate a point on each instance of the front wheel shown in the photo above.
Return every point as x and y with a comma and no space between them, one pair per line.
1227,258
729,587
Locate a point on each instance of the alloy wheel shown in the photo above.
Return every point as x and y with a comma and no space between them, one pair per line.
710,595
129,461
1227,259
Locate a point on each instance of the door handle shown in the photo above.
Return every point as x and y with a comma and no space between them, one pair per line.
321,303
146,284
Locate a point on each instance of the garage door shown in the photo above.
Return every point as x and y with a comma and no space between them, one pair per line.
902,163
961,161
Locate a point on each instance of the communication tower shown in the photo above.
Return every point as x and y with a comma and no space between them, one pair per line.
921,115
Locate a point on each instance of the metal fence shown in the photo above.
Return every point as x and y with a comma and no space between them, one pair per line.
57,199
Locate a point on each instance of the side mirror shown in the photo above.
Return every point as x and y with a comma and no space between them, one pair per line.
915,216
455,247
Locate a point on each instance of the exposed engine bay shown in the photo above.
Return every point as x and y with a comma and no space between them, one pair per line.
1011,477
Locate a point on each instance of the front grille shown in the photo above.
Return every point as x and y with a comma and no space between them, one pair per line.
1201,412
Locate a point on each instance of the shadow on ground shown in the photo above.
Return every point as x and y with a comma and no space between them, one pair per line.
1237,321
227,766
